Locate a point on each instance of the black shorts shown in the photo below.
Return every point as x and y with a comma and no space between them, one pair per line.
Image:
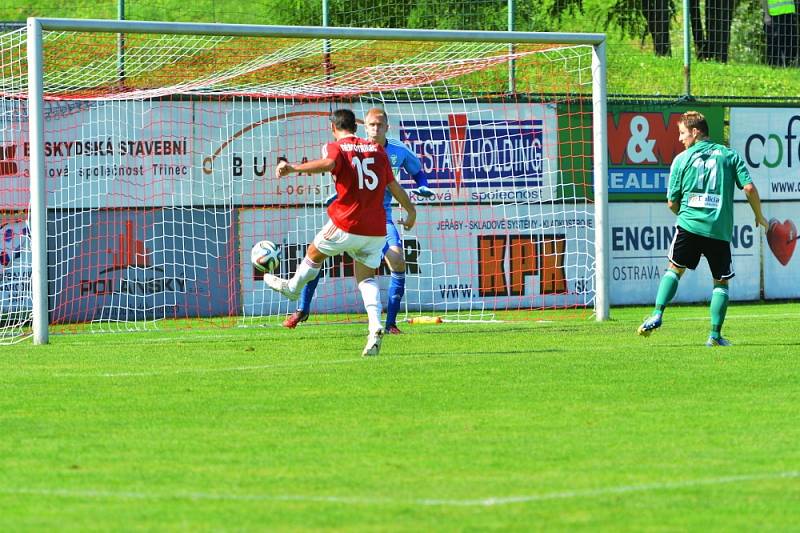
687,247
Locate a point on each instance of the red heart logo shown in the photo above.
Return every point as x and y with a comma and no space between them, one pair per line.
782,238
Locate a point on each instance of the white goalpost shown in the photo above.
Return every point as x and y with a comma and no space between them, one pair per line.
134,195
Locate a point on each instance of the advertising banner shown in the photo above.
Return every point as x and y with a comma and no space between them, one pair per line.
239,144
169,153
470,152
15,265
642,142
483,152
769,141
140,265
102,154
641,234
781,261
496,168
458,259
14,169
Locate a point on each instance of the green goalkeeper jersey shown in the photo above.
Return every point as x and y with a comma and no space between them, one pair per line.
702,179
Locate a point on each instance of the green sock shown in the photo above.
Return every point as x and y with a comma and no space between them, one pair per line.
719,306
666,290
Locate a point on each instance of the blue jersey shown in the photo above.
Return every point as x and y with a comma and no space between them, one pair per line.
401,157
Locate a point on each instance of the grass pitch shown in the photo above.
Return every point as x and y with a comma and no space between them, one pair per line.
558,425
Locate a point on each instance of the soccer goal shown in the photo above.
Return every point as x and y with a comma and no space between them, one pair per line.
138,169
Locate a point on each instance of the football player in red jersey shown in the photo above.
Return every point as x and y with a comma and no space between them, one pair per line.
357,218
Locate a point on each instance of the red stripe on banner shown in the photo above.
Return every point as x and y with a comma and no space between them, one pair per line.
458,136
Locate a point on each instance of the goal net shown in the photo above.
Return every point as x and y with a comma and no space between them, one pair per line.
159,152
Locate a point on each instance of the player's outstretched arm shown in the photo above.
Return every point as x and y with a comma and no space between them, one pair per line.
401,196
421,189
316,166
751,192
413,166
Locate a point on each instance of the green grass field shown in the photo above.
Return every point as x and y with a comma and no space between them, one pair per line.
559,425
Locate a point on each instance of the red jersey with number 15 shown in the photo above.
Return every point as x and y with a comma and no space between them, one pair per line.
361,172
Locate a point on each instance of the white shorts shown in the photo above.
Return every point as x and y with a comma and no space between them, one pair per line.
333,241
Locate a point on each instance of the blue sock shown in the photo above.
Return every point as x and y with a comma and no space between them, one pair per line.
397,287
304,302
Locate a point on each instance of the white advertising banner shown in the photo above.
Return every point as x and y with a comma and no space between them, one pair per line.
769,141
470,152
102,154
15,266
459,259
171,153
14,168
781,261
239,144
640,236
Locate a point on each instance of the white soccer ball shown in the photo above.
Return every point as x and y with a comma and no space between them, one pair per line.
265,256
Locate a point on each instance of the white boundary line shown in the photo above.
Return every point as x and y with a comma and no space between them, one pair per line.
424,502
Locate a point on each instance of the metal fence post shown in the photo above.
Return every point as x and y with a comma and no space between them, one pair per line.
512,82
121,44
687,53
326,44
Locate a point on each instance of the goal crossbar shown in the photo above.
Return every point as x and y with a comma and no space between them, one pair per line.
314,32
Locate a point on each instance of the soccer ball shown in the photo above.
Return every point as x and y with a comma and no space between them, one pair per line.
265,256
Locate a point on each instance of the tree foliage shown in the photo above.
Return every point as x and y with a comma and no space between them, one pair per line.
711,20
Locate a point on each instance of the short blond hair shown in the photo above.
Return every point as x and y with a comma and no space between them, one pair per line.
694,119
377,112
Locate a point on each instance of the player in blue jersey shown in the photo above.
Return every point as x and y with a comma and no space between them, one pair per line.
376,124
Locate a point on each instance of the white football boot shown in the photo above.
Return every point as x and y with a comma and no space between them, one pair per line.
280,285
373,346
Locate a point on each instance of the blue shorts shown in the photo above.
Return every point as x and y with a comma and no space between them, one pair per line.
392,237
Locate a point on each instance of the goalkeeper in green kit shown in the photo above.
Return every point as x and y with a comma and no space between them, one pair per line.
700,192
